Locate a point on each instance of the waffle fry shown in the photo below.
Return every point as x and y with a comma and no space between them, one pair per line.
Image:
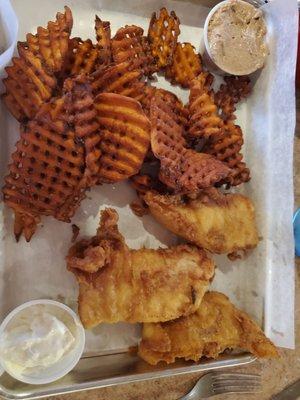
162,34
44,178
186,65
205,122
128,44
83,57
83,116
121,78
141,184
103,35
28,85
47,175
180,112
181,169
230,93
227,149
125,136
51,44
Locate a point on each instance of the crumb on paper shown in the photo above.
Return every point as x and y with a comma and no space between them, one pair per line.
75,230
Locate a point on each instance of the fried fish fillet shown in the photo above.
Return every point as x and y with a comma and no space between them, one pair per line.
217,325
145,285
217,222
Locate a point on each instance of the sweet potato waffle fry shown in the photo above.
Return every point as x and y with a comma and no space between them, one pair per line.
162,34
125,136
82,115
230,93
45,177
128,44
186,65
52,165
120,78
182,169
51,44
83,57
97,100
28,85
103,36
204,121
227,149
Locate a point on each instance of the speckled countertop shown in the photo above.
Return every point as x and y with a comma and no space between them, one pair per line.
276,373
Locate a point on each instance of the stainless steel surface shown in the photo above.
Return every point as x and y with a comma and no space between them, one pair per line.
109,370
291,392
215,383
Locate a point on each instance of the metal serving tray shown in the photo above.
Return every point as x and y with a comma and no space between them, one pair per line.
110,370
23,275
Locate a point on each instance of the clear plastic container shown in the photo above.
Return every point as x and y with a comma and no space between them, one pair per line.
42,375
207,57
8,36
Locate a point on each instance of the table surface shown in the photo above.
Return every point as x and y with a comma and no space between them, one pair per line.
276,374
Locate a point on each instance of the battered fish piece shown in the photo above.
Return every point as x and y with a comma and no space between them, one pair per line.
120,284
217,325
220,223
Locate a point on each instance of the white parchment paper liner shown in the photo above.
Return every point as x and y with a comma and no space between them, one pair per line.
263,283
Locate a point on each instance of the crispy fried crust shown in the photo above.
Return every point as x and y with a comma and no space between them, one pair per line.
186,65
103,35
28,84
182,169
51,43
205,122
219,223
121,78
51,165
217,325
130,44
162,34
120,284
125,136
230,93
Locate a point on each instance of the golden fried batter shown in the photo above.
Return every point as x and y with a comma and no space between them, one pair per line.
217,325
219,223
120,284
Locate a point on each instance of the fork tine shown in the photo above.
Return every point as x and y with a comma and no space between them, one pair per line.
233,375
235,384
237,389
236,381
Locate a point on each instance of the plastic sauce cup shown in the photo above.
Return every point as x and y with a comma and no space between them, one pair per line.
43,375
207,56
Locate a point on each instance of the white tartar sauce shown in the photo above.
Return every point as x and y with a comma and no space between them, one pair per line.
35,340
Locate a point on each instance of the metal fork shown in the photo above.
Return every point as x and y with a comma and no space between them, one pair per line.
215,383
